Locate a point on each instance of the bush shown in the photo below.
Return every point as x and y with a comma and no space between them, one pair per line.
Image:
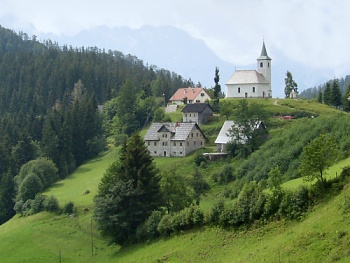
294,204
51,204
149,230
225,176
68,208
165,227
38,204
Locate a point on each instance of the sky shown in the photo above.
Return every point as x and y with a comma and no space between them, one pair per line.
314,33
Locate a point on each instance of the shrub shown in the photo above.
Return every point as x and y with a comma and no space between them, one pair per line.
68,208
38,204
51,204
149,230
165,227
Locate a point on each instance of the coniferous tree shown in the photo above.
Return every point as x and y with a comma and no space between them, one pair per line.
336,94
320,96
217,91
128,193
327,95
346,99
7,195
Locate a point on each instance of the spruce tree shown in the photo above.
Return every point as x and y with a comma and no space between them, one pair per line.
336,94
217,91
346,99
128,193
327,95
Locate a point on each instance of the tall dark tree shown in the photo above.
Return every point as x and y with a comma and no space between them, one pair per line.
128,193
346,99
290,85
336,94
320,96
217,91
327,95
7,195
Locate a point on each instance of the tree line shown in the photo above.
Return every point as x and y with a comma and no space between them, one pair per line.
49,97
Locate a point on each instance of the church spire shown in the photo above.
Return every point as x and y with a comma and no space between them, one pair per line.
263,54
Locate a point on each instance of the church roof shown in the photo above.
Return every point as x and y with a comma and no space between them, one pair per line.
263,54
247,77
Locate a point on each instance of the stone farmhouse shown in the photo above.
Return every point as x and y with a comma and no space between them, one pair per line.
189,95
174,139
252,83
199,113
224,135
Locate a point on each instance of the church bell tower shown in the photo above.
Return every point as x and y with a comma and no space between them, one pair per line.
264,66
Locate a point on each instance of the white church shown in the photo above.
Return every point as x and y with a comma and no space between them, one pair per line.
252,83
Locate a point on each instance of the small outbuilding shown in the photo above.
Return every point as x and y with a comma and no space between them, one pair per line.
199,113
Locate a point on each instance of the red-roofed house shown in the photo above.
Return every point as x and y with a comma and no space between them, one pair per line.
189,95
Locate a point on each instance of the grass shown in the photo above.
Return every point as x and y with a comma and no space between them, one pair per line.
322,236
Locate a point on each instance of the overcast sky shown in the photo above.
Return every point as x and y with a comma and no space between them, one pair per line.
312,32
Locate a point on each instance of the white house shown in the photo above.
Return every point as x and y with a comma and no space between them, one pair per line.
174,139
189,95
224,134
252,83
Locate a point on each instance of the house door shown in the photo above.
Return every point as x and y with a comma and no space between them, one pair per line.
164,153
246,95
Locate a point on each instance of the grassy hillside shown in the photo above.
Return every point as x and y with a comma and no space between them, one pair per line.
323,235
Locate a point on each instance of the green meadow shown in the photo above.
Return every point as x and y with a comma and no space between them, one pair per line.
322,235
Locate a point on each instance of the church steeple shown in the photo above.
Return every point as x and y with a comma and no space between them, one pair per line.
264,66
263,54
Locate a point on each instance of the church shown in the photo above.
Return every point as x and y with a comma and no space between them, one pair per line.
252,83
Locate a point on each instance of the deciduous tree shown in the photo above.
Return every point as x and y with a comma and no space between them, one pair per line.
316,157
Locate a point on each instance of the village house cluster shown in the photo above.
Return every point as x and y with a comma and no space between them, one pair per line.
181,138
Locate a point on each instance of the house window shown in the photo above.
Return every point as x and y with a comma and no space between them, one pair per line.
174,143
261,64
239,90
190,114
191,134
202,94
197,134
155,152
194,143
253,89
148,143
180,143
155,143
194,115
166,135
201,143
198,101
180,153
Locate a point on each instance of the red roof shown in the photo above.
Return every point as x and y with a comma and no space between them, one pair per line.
190,93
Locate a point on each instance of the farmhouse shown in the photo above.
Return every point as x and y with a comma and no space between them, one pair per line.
199,113
174,139
224,135
189,95
252,83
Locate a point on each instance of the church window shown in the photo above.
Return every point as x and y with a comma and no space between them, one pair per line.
254,89
268,64
239,90
261,64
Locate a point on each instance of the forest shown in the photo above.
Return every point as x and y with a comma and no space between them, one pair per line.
49,103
